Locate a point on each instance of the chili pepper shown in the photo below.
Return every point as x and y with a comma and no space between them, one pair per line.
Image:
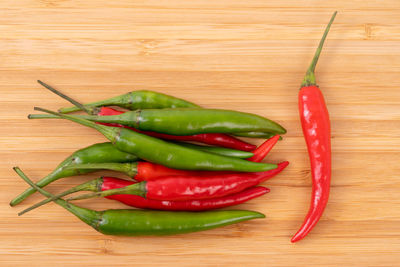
219,150
146,222
141,99
216,139
102,152
262,151
213,139
181,188
315,122
189,205
145,171
189,121
265,135
167,154
107,183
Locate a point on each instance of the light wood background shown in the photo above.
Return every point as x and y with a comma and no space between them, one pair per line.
245,55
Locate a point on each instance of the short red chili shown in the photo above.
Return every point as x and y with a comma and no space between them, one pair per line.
180,188
144,203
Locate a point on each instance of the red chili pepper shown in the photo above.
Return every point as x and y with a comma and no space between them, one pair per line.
316,129
217,139
186,188
181,188
189,205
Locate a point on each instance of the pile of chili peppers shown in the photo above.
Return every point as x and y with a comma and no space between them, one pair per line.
172,180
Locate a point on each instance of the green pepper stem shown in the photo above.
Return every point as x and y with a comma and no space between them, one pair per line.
90,217
309,79
50,116
138,189
42,116
88,186
69,99
130,168
43,182
109,132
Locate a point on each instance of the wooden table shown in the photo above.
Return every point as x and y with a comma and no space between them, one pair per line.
245,55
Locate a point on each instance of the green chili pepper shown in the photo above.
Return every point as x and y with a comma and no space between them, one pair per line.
219,150
165,153
242,134
136,100
149,102
145,222
97,153
188,121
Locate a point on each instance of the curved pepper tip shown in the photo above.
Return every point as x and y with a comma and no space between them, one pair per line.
298,236
284,164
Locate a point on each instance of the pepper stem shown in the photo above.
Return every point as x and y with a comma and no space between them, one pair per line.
89,110
42,116
88,216
88,186
129,168
138,189
109,132
309,79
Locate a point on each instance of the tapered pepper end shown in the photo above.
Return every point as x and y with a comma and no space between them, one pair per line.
309,79
297,237
311,220
262,150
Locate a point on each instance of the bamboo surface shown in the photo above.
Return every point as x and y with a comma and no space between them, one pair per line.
244,55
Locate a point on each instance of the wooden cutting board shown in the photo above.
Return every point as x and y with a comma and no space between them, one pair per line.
244,55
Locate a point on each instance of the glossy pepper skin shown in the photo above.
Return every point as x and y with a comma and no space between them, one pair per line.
315,123
216,139
189,188
108,183
97,153
165,153
190,121
146,222
190,205
146,171
141,99
228,152
182,188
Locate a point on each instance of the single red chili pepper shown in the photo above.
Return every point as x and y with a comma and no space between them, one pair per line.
216,139
181,188
189,205
146,171
315,122
186,188
108,183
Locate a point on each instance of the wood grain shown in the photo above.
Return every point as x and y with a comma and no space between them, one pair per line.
244,55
